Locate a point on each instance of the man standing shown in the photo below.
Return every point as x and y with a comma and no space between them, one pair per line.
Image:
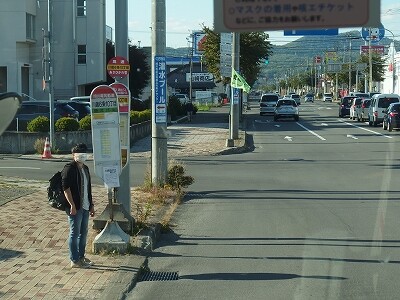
78,192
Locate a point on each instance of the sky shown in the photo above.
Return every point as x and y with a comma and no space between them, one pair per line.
186,16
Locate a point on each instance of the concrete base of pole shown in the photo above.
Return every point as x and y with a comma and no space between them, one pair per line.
230,142
111,238
124,220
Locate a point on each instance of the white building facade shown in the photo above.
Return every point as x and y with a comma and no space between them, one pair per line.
77,46
391,84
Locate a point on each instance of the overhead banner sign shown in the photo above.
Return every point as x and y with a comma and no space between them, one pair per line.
246,16
378,49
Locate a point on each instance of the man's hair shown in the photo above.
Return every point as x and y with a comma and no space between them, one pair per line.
79,148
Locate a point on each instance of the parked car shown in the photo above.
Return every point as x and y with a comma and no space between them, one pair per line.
286,108
183,98
391,118
362,110
327,97
360,95
344,106
353,107
268,103
30,110
379,103
309,97
83,108
296,97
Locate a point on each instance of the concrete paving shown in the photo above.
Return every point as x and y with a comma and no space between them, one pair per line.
34,261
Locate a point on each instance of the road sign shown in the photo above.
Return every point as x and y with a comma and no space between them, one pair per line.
378,49
199,38
332,31
226,54
246,16
160,88
373,34
105,134
118,66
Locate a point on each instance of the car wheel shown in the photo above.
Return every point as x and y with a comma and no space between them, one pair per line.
390,127
383,126
375,123
369,122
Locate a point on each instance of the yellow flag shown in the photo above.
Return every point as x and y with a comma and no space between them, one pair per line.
239,82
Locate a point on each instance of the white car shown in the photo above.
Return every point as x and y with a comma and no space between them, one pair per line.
268,103
286,108
327,97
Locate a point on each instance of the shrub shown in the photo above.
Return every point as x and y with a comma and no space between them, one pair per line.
140,116
39,145
175,108
176,177
39,124
85,123
66,124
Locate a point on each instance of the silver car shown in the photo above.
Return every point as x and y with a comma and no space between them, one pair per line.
286,108
268,103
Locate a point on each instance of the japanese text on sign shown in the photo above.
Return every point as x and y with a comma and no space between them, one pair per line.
274,14
160,88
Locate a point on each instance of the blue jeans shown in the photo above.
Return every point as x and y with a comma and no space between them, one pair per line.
78,231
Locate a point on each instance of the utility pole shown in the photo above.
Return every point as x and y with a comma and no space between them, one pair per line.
234,117
191,68
50,64
121,49
159,164
350,66
370,62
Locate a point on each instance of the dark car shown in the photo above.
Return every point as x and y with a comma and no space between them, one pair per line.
309,97
30,110
344,106
391,118
82,107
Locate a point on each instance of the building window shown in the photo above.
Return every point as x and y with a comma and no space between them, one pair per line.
81,54
81,8
30,26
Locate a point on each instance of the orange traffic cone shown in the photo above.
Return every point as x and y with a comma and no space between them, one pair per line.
47,151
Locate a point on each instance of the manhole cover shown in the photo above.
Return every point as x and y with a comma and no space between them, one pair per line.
159,276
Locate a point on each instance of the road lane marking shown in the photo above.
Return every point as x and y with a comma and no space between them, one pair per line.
324,124
352,136
29,168
312,132
369,130
289,138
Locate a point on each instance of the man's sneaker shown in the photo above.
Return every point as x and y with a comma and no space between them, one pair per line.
86,261
78,264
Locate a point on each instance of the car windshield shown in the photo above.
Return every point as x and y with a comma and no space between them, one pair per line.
269,98
385,102
213,187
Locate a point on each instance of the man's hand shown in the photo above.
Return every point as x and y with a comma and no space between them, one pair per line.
72,211
92,211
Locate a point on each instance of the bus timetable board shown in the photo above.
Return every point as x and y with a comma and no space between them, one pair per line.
105,135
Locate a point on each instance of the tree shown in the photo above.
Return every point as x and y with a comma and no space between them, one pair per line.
139,74
254,50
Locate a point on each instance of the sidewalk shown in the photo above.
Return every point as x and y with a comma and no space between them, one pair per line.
34,260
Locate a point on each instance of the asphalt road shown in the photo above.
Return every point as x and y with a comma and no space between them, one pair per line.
311,213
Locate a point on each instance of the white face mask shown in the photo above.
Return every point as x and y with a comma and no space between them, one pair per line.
80,157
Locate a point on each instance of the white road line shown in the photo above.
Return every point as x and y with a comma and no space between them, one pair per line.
29,168
289,138
377,133
352,136
312,132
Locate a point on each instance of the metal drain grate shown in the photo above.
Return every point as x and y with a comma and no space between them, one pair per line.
159,276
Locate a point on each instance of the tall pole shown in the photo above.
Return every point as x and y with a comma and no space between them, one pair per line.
159,164
191,69
392,61
350,66
50,74
370,63
234,117
123,193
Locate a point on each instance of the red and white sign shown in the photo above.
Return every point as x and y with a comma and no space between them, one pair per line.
317,59
118,66
123,96
378,49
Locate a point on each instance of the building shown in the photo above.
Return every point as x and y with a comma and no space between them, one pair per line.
77,46
391,84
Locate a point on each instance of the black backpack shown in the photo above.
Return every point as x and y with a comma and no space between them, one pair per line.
55,193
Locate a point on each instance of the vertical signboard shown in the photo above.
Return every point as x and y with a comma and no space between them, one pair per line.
160,90
105,135
236,95
124,102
